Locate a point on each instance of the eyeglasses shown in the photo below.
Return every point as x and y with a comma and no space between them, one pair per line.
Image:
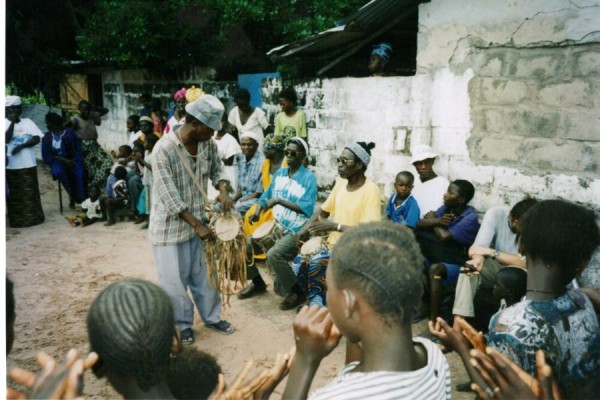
292,153
345,161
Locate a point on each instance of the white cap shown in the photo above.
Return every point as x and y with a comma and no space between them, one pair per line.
208,110
249,134
12,101
422,152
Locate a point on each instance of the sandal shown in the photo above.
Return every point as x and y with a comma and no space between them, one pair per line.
187,337
223,327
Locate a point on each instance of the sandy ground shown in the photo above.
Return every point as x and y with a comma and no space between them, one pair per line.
58,270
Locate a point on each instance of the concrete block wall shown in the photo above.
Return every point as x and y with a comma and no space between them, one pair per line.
122,89
506,92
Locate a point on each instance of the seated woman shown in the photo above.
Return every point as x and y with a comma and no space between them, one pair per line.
354,200
61,150
133,358
558,239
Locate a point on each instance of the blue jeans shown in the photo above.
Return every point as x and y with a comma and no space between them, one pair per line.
182,267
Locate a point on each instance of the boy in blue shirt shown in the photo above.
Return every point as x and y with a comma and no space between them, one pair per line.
402,207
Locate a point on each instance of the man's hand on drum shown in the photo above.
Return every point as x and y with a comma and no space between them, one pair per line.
324,225
203,232
256,216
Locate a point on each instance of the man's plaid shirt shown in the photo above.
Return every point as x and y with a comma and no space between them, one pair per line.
173,190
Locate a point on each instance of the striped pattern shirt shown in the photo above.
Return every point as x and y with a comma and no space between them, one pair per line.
428,383
174,191
250,173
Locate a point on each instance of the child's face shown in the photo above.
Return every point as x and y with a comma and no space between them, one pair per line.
403,186
122,153
130,126
94,194
286,105
452,198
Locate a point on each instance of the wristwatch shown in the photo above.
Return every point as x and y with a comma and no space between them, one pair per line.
495,254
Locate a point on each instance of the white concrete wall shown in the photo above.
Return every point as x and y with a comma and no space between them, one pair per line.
540,57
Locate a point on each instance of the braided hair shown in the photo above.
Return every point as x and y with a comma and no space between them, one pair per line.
130,326
382,261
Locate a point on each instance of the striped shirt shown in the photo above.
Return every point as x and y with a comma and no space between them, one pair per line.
174,191
428,383
301,189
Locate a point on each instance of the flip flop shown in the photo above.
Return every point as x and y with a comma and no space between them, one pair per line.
223,327
187,337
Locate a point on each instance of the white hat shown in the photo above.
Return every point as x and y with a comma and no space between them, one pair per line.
12,101
249,134
208,110
422,152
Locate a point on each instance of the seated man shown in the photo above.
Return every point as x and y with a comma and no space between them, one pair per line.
249,177
444,237
494,248
292,194
61,150
429,189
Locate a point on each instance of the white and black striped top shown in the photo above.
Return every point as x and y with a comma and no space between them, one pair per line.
427,383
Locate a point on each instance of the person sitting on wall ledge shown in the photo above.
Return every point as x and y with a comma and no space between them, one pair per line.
380,57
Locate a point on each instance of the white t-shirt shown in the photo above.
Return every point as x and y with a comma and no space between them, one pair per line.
431,382
92,207
430,195
133,137
227,147
24,130
257,123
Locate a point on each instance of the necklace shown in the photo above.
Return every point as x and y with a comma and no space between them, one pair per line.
540,291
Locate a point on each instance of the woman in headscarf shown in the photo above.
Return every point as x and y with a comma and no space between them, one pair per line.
23,201
274,159
354,200
180,102
96,161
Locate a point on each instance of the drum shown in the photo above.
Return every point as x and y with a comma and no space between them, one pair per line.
313,246
267,234
226,228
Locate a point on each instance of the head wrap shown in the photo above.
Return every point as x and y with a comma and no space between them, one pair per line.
208,110
298,139
12,101
360,152
249,134
147,119
383,50
180,94
193,94
277,142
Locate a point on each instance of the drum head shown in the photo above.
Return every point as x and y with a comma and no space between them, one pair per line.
263,230
227,228
311,246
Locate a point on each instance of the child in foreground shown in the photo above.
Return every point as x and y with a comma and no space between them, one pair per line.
402,207
374,286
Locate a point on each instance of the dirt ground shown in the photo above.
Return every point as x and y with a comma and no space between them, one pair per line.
58,270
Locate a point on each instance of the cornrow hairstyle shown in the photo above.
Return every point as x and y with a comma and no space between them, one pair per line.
130,326
522,207
193,374
559,233
465,189
382,261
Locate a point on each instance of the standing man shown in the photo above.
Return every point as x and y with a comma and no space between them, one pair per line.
182,162
430,188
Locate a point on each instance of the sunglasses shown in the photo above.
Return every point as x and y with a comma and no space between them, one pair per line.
292,153
345,161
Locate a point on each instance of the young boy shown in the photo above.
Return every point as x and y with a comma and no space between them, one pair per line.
290,120
371,303
124,159
92,207
402,207
120,198
444,237
193,374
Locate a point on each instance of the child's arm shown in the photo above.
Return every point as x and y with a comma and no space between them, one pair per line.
316,336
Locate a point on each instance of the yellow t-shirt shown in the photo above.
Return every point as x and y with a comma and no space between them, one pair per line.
295,125
352,208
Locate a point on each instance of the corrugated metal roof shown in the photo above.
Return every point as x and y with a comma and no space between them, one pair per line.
350,34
